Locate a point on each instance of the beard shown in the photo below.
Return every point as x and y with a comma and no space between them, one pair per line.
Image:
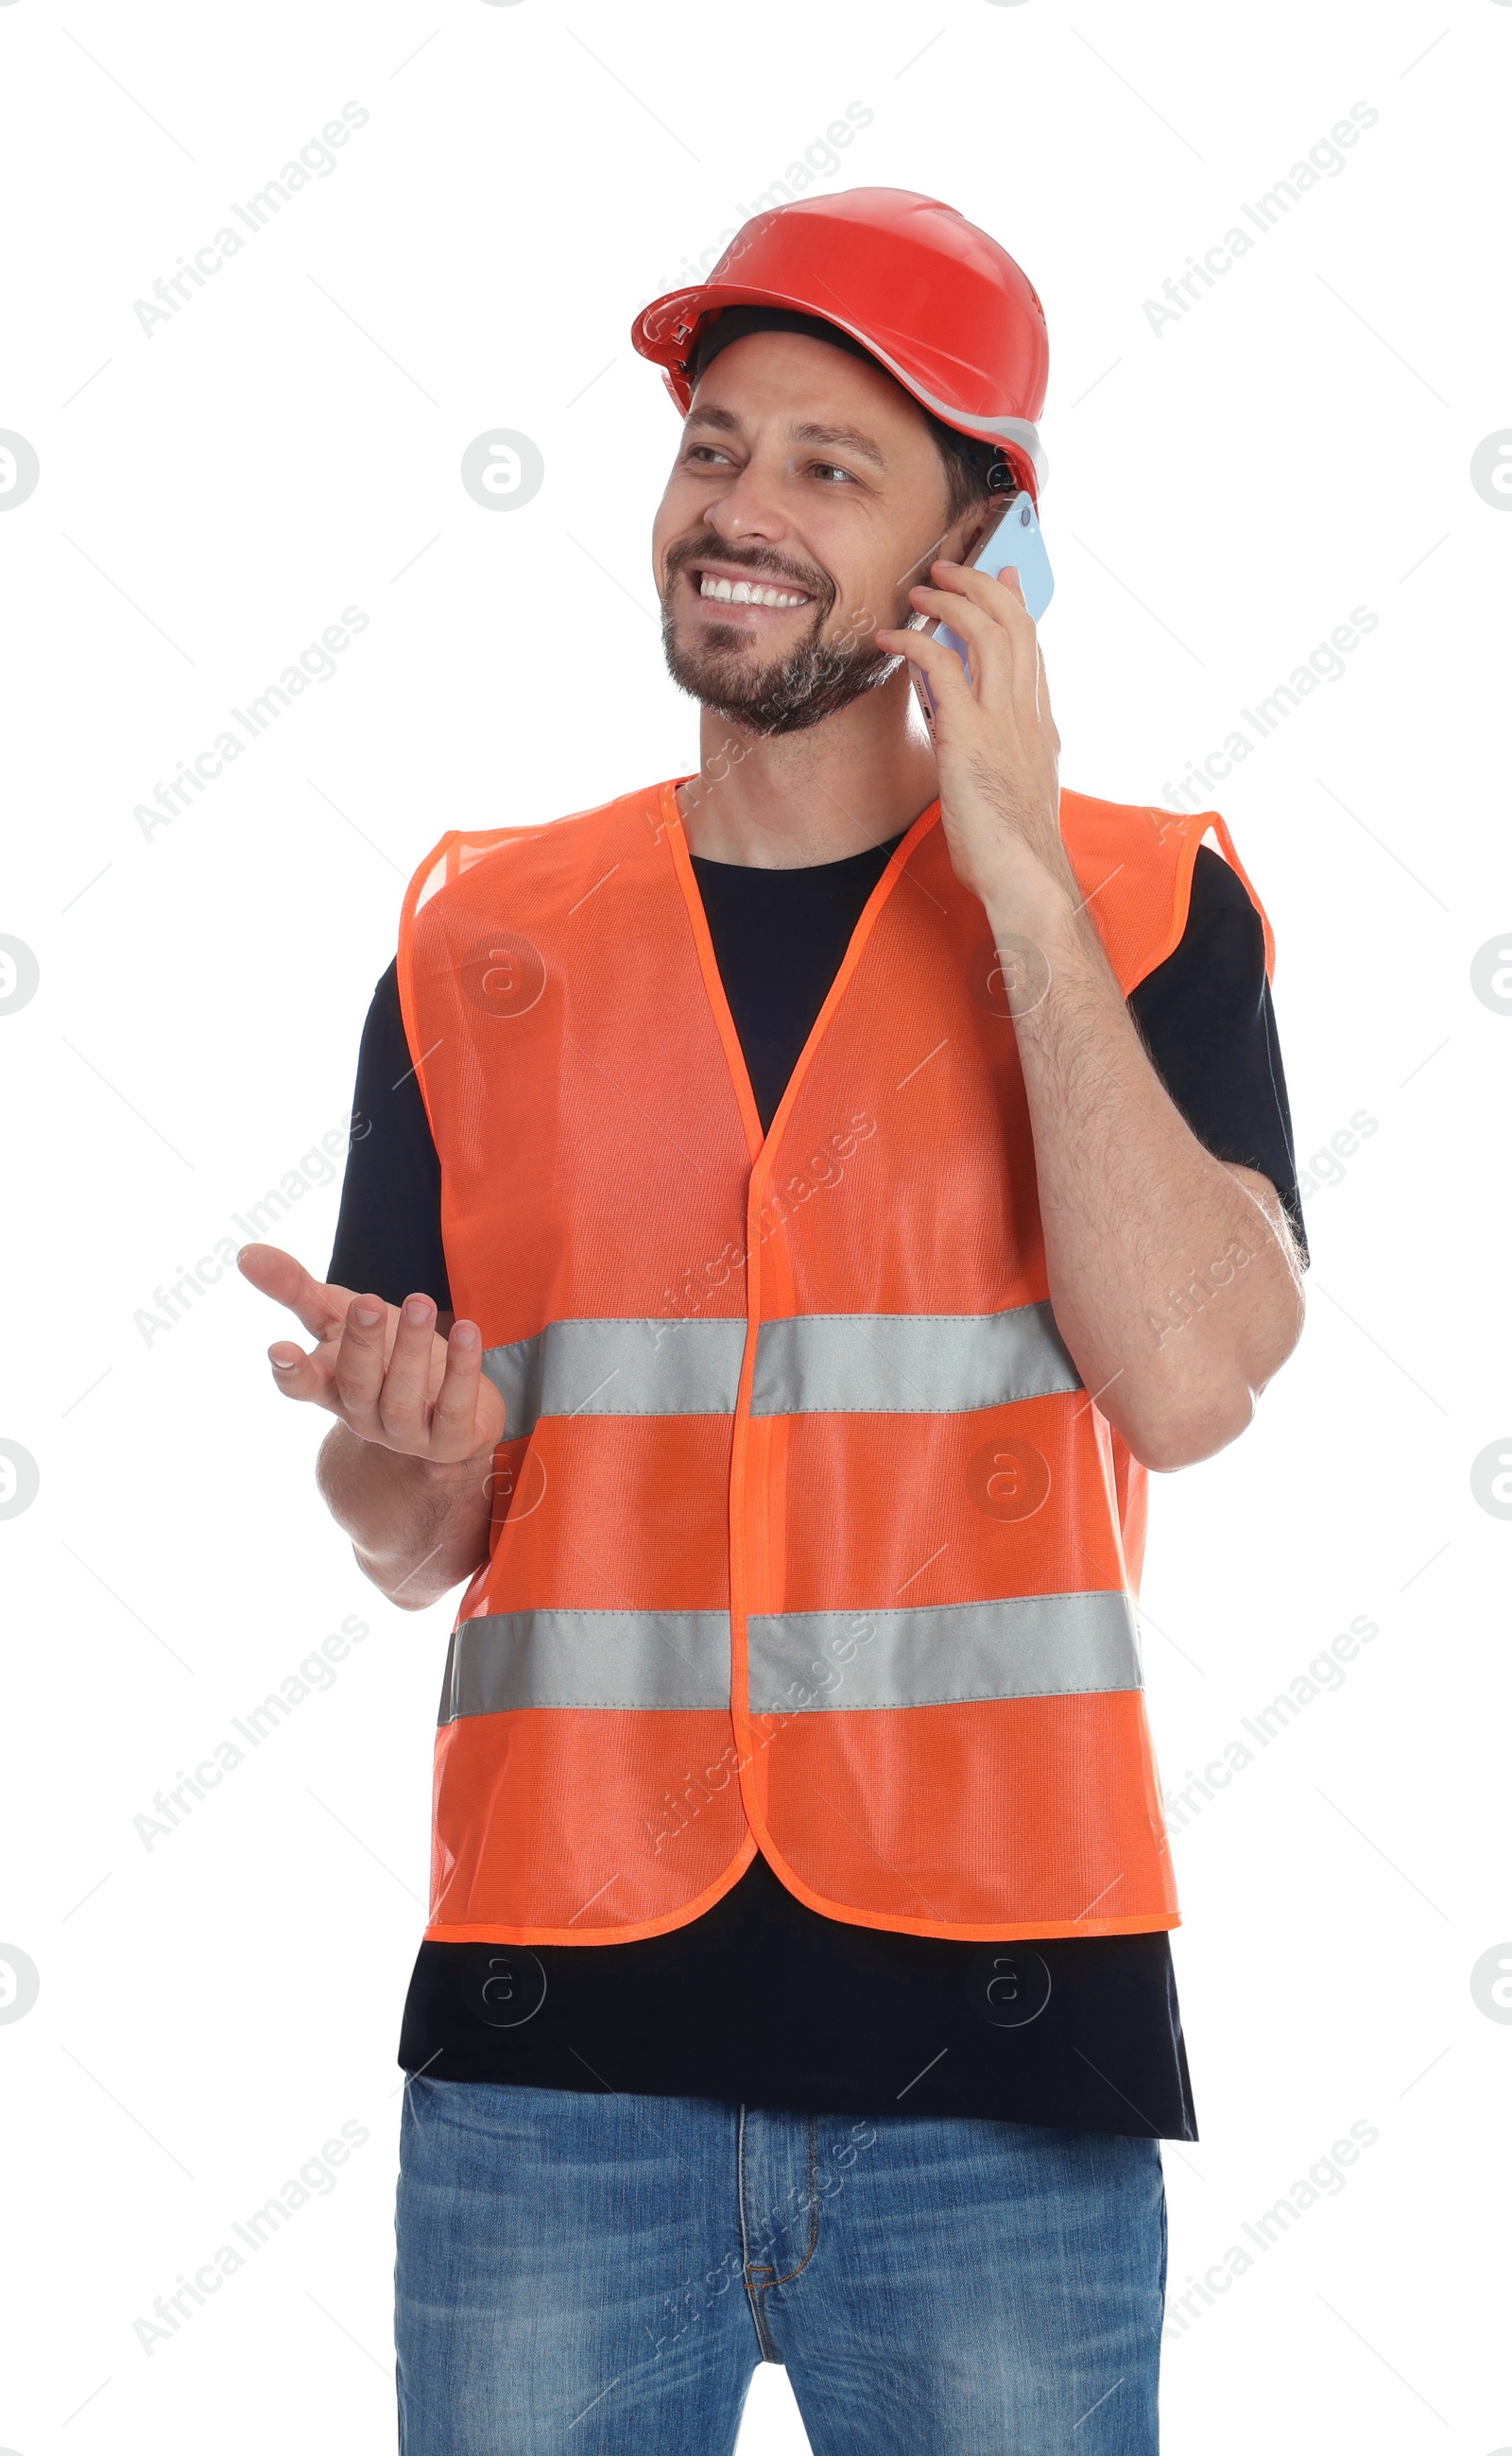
728,675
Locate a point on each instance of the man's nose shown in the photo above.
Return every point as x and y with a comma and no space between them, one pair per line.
748,509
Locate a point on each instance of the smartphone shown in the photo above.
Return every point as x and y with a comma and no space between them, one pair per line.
1015,538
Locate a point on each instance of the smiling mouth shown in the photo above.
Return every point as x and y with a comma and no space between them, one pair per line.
746,592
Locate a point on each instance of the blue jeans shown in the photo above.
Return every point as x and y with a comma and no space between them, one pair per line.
599,2275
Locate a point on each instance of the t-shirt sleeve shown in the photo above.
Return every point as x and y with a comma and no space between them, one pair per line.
1206,1019
388,1233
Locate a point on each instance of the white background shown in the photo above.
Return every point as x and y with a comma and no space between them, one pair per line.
1223,493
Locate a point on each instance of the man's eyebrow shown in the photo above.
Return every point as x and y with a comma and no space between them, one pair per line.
845,438
848,438
725,419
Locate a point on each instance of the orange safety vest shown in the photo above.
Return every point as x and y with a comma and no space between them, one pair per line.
806,1535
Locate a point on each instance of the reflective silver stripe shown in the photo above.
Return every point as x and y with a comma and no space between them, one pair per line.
908,1363
617,1368
942,1654
862,1363
1025,1646
677,1660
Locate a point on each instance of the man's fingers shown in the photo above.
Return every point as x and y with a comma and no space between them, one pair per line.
454,1419
970,622
403,1404
993,620
944,667
279,1275
376,1367
996,654
299,1376
1010,640
1000,595
359,1364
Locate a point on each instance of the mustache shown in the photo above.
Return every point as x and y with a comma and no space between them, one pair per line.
760,561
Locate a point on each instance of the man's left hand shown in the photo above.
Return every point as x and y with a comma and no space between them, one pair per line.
996,741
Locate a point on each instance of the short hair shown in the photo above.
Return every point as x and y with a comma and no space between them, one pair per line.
969,483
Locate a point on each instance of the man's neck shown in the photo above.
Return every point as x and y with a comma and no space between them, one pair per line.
790,800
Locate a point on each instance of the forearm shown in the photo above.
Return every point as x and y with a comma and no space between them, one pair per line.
1174,1284
418,1527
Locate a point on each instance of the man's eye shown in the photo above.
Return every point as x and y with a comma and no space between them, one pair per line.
696,450
831,469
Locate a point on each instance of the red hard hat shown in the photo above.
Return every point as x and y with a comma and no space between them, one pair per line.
942,306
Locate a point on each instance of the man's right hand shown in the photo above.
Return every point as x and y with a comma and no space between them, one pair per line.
382,1369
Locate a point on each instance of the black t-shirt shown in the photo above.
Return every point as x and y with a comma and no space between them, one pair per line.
761,1999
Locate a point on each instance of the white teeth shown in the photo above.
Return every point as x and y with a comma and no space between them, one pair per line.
740,592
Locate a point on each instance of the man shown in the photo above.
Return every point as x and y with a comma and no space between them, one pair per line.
853,1168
